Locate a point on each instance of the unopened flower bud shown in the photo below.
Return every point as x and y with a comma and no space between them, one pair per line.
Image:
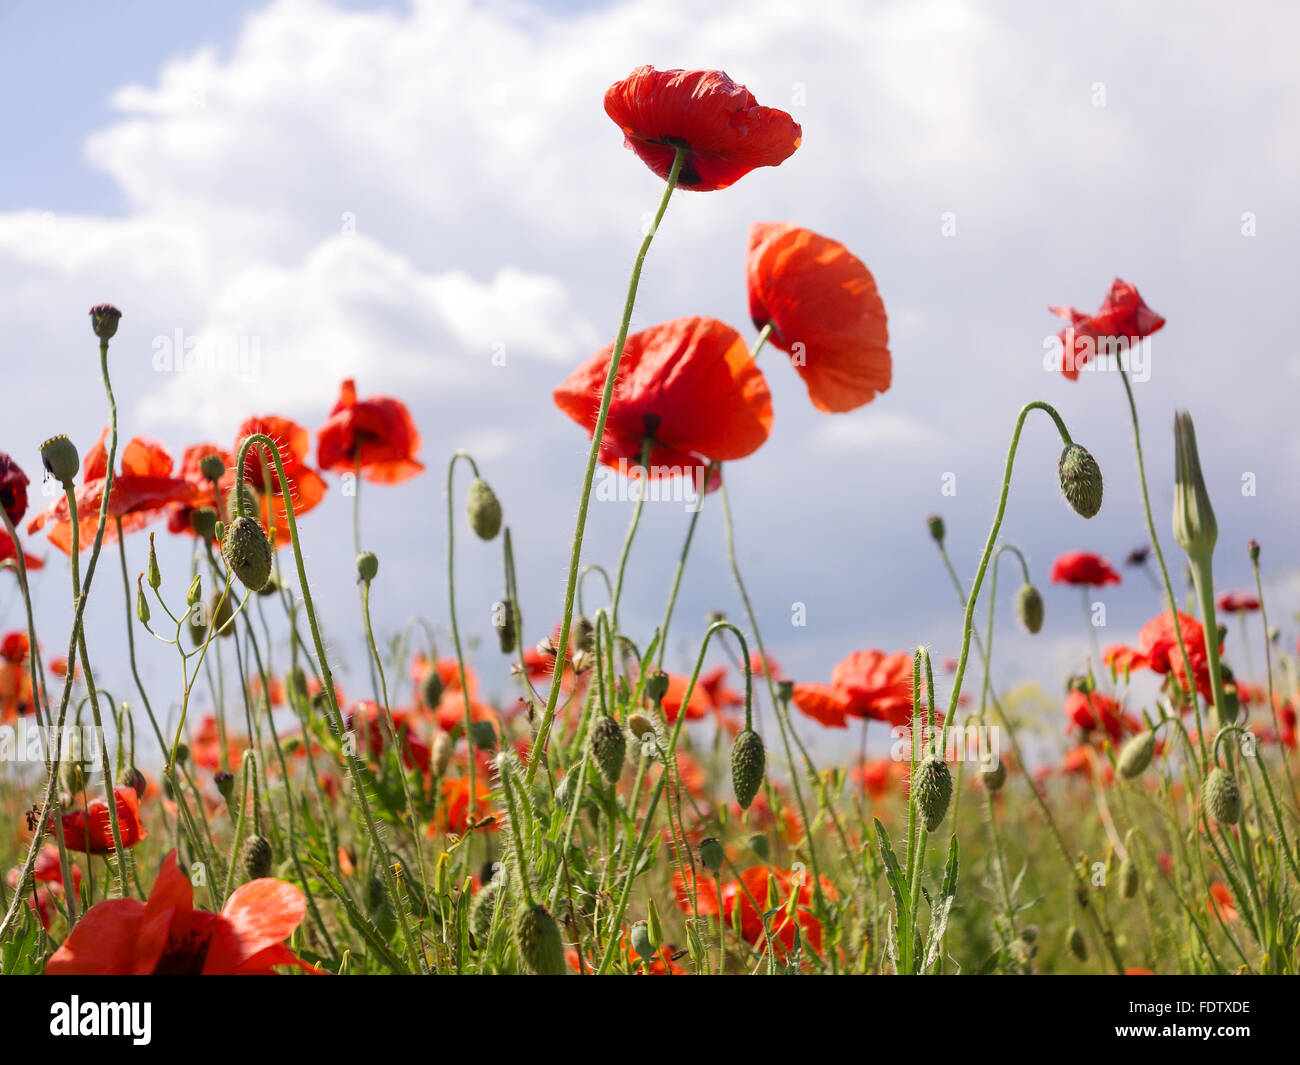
482,909
748,762
367,566
656,686
483,510
1080,478
195,591
712,854
1136,754
1222,797
994,777
932,788
247,552
203,520
441,753
256,856
141,603
103,320
503,620
537,938
760,845
154,574
212,467
640,938
1129,881
1195,527
73,776
1252,550
1077,944
608,747
431,689
225,782
60,459
484,735
640,726
1029,608
936,527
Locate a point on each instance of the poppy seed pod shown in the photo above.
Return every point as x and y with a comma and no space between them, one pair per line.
1136,754
640,938
656,686
712,854
432,688
504,622
367,566
256,857
103,320
1077,944
994,777
1080,478
748,761
1222,797
247,552
482,910
932,787
1029,609
483,510
1129,881
936,527
537,938
60,459
212,467
608,746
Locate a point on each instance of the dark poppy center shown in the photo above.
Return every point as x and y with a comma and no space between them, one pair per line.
687,176
651,423
184,956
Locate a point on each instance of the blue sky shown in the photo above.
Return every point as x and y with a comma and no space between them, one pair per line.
199,164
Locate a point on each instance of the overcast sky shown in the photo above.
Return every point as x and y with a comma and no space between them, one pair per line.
395,192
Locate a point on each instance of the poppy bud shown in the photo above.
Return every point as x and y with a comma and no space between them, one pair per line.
712,855
641,726
1252,550
656,686
537,938
748,760
367,566
431,689
73,776
272,584
936,526
641,941
441,753
585,635
1195,527
1080,480
653,925
1029,609
195,591
242,490
994,777
1222,797
60,459
1231,701
222,610
141,604
212,467
154,574
135,780
225,782
203,520
182,753
785,690
256,856
484,735
482,910
1078,945
1136,754
608,746
1129,880
504,622
484,510
247,552
933,790
760,845
103,320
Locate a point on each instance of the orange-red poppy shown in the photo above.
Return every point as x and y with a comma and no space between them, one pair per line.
366,722
789,883
376,434
1157,650
689,386
9,553
698,706
1097,711
454,814
13,489
1228,602
306,486
48,871
142,492
205,745
1123,319
866,684
91,831
724,129
168,936
1083,567
825,312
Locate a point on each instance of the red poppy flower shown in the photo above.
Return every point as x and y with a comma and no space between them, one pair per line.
866,684
377,433
877,778
698,707
454,814
48,871
168,936
716,691
15,647
306,487
178,521
1221,900
1123,319
9,553
1157,650
689,385
1093,711
366,721
13,489
1083,567
142,492
91,830
824,310
725,131
1237,603
781,926
205,746
823,703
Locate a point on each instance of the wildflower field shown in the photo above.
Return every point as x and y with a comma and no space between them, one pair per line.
614,813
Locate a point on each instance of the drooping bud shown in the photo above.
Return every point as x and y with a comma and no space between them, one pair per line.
994,777
483,510
1129,881
656,686
1078,945
247,552
1222,797
484,735
537,938
73,776
481,911
936,527
1080,480
712,854
141,603
195,591
203,520
431,689
256,856
608,747
225,782
212,467
1029,609
760,845
1195,527
135,780
103,320
748,761
60,459
584,634
441,757
1136,755
503,620
932,788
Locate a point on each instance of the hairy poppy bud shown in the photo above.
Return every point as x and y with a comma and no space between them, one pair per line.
103,320
484,510
60,459
712,855
482,910
212,467
608,746
1029,608
203,520
503,620
245,491
537,938
256,856
640,937
1195,527
760,845
785,690
1129,880
933,790
367,566
135,780
748,760
225,782
431,689
1222,796
1136,754
641,726
993,777
484,734
1077,944
441,757
936,527
247,552
1080,480
656,686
